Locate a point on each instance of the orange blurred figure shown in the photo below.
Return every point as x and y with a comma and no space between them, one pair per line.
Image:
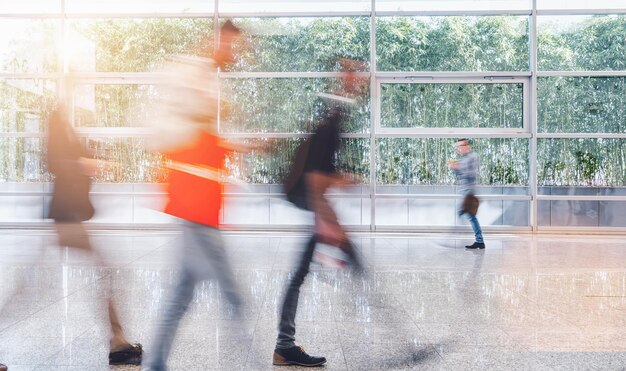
195,156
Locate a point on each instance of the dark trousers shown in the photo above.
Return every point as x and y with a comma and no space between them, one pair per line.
287,326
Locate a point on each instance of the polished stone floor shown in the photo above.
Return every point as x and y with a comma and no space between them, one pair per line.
525,303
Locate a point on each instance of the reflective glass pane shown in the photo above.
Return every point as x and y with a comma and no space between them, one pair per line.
272,166
29,45
574,213
423,161
582,104
300,44
131,162
444,212
451,5
282,106
134,45
452,43
592,162
25,104
579,43
21,160
112,105
452,105
274,6
139,6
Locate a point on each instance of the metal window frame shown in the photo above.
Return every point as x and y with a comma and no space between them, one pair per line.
319,13
581,73
530,129
580,135
581,11
452,13
532,118
374,116
579,198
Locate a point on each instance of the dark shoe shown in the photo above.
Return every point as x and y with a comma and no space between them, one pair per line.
3,367
296,356
128,356
476,245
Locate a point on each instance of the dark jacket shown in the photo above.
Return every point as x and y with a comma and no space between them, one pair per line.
316,153
70,197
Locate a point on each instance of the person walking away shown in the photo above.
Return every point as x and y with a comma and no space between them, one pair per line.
72,168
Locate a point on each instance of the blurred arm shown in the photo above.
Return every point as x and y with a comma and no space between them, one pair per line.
318,182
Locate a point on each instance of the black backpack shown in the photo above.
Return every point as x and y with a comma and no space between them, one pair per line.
295,182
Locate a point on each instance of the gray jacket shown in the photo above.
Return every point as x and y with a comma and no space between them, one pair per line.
467,171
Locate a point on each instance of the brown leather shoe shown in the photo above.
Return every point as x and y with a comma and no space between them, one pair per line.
3,367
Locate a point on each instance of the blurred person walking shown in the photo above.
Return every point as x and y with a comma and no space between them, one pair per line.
313,173
466,169
72,168
196,155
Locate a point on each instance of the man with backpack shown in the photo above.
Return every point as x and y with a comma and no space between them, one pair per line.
313,172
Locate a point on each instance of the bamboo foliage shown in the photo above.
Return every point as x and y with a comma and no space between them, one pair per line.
412,161
438,105
582,162
137,45
301,44
290,105
272,165
452,43
582,104
283,106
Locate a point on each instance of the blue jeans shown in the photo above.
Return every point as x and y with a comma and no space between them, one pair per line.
203,258
478,233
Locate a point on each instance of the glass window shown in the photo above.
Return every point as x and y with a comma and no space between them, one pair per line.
451,5
423,161
21,160
577,213
588,162
579,43
140,6
29,45
134,45
272,167
582,104
132,163
112,105
282,106
301,44
452,43
452,105
25,104
279,6
444,212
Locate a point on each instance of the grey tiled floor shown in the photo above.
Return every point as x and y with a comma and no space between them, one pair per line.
525,303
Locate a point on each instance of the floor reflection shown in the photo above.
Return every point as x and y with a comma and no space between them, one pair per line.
529,302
